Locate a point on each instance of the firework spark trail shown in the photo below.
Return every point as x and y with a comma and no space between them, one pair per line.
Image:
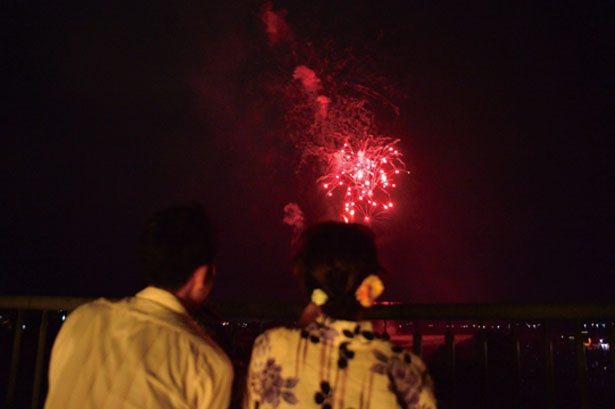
293,216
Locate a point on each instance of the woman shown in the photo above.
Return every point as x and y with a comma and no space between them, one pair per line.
336,360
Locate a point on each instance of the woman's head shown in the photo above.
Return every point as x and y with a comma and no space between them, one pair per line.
336,257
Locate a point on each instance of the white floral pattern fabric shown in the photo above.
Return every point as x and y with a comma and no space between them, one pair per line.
335,364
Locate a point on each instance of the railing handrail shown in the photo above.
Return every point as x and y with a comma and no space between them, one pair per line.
388,310
18,302
494,311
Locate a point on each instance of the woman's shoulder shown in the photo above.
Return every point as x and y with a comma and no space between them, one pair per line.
279,334
275,342
282,330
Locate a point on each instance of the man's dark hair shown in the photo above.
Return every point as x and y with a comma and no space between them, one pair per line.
174,242
336,257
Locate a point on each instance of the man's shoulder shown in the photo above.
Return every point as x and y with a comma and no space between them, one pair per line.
92,307
146,319
180,330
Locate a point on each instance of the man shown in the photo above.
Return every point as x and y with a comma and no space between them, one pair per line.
146,351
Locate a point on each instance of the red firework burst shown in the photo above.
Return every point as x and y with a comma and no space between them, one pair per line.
361,174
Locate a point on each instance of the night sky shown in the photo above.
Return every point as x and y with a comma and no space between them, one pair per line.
113,110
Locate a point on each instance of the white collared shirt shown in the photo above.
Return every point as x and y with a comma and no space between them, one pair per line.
140,352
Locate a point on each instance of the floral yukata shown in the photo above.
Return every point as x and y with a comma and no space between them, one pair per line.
334,364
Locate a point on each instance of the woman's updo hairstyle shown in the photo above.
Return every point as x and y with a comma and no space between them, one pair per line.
336,257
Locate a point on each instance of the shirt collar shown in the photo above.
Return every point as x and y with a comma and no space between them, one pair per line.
163,297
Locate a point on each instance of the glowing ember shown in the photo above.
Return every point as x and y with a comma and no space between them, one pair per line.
361,177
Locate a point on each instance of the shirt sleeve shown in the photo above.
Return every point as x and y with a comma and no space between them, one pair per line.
421,382
213,384
427,399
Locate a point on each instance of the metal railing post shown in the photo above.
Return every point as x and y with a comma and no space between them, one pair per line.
516,351
548,358
450,358
417,340
581,367
40,361
10,393
484,366
611,340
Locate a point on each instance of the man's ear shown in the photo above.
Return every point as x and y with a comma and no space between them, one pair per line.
199,276
194,292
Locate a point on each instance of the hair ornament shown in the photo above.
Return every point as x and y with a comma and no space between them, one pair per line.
369,290
319,297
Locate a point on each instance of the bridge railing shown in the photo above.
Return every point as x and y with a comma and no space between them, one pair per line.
480,355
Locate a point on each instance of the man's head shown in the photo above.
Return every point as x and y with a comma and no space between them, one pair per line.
336,257
175,243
